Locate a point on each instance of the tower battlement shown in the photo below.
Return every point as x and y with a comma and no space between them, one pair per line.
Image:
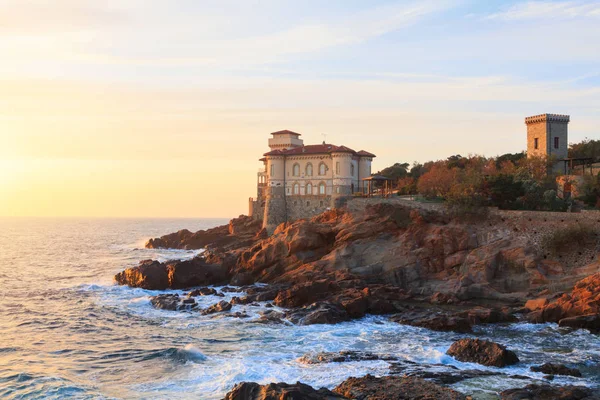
560,118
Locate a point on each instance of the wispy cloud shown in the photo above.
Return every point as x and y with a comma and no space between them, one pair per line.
549,10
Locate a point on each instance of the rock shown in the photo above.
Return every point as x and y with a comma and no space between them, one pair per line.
154,275
589,322
172,302
205,291
318,313
584,300
305,293
221,306
394,388
547,392
234,235
279,391
556,369
270,316
444,298
342,356
434,322
536,304
482,352
148,274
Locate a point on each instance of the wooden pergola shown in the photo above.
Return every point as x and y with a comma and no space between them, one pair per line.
572,163
386,186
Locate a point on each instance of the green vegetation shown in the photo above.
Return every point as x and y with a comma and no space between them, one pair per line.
586,149
510,181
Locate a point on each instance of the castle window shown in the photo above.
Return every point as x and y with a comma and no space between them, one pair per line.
309,170
296,170
296,189
337,168
351,169
321,188
556,143
535,143
272,170
308,188
322,169
308,204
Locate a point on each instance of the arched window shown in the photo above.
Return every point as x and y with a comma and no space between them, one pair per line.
296,189
309,169
272,170
322,169
296,170
322,188
351,169
308,188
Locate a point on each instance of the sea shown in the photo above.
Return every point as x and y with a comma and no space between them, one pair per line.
68,331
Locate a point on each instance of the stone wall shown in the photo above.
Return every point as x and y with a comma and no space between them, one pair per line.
299,207
256,209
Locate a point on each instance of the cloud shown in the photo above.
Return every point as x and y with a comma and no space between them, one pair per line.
37,17
549,10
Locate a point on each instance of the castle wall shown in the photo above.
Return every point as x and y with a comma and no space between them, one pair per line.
300,207
537,130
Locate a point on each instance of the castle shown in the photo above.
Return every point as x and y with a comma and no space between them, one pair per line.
547,136
301,181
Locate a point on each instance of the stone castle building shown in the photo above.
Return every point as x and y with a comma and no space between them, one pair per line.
300,181
547,135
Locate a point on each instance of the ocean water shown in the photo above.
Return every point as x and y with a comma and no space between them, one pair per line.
67,331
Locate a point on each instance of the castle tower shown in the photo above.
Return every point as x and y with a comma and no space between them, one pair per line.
547,136
275,197
284,140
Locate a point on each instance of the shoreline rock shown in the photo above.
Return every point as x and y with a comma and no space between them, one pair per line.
482,352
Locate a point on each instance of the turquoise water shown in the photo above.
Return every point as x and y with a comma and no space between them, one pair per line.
68,332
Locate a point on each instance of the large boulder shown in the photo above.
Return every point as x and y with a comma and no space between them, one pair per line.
279,391
433,321
148,274
590,322
394,388
482,352
547,392
556,369
154,275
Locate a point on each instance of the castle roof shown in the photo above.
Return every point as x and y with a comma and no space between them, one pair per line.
318,149
285,132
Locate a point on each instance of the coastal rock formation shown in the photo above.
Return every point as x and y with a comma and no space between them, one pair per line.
342,356
556,369
155,275
365,388
216,308
579,309
381,259
393,388
279,391
482,352
172,302
239,232
547,392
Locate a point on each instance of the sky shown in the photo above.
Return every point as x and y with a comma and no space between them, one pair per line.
162,108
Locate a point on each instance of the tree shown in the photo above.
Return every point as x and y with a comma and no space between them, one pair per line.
396,171
437,182
585,149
